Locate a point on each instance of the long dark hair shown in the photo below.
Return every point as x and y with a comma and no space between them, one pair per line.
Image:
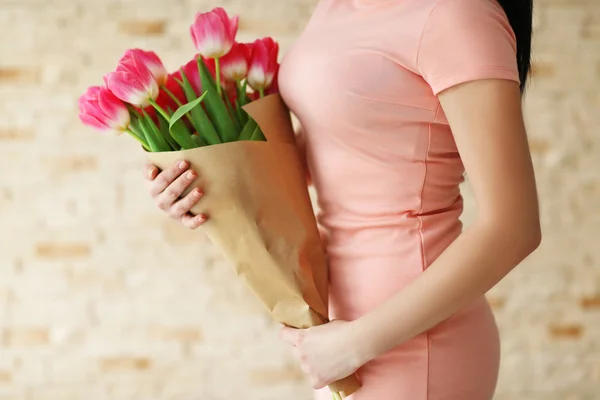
520,15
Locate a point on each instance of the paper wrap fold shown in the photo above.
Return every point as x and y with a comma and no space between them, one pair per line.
261,218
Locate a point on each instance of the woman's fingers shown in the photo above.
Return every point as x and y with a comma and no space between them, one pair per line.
150,172
172,192
192,221
184,205
166,177
167,187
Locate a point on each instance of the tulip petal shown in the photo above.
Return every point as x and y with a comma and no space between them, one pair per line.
130,89
93,122
233,27
114,109
152,62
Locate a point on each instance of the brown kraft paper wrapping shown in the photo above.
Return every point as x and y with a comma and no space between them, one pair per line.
261,218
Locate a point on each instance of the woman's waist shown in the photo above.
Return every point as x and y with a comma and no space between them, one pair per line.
408,240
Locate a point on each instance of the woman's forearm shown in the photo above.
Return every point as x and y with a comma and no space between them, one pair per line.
466,270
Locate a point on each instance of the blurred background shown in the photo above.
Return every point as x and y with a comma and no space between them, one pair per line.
102,297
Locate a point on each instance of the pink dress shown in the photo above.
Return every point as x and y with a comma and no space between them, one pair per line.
363,79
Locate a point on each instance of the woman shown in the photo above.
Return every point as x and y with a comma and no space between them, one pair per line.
395,97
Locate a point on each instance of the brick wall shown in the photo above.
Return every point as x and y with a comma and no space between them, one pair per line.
93,302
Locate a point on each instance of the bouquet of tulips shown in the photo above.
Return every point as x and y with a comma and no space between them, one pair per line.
222,113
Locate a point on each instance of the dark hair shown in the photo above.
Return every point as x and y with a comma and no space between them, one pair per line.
520,15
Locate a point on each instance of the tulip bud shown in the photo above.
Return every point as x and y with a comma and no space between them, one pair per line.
234,65
263,64
133,81
102,110
213,33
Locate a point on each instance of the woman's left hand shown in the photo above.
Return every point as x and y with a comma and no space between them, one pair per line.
326,353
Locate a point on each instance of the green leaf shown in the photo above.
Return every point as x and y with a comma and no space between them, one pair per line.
134,126
152,143
248,130
243,116
258,134
153,130
233,114
199,141
181,111
243,94
200,120
217,110
178,129
164,130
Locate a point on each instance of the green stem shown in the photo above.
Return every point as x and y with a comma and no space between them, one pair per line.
337,396
218,76
160,110
139,139
174,98
238,88
262,93
171,95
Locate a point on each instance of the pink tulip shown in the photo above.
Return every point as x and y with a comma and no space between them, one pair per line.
152,61
234,65
263,64
133,81
102,110
214,33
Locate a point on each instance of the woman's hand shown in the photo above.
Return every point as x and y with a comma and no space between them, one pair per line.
166,188
327,353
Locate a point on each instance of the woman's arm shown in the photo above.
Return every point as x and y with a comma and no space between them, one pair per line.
487,123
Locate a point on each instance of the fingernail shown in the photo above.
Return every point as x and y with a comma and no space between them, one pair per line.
197,193
182,165
150,171
190,175
201,218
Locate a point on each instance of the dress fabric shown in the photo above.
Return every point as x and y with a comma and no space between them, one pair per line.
363,80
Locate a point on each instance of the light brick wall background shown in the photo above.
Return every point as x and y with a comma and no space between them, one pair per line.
102,297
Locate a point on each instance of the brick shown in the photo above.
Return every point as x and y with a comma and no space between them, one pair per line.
26,337
19,75
561,331
590,303
55,250
125,363
539,146
543,70
5,377
70,164
178,334
497,303
590,28
266,376
16,134
85,279
143,28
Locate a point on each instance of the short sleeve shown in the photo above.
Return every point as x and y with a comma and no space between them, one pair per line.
466,40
